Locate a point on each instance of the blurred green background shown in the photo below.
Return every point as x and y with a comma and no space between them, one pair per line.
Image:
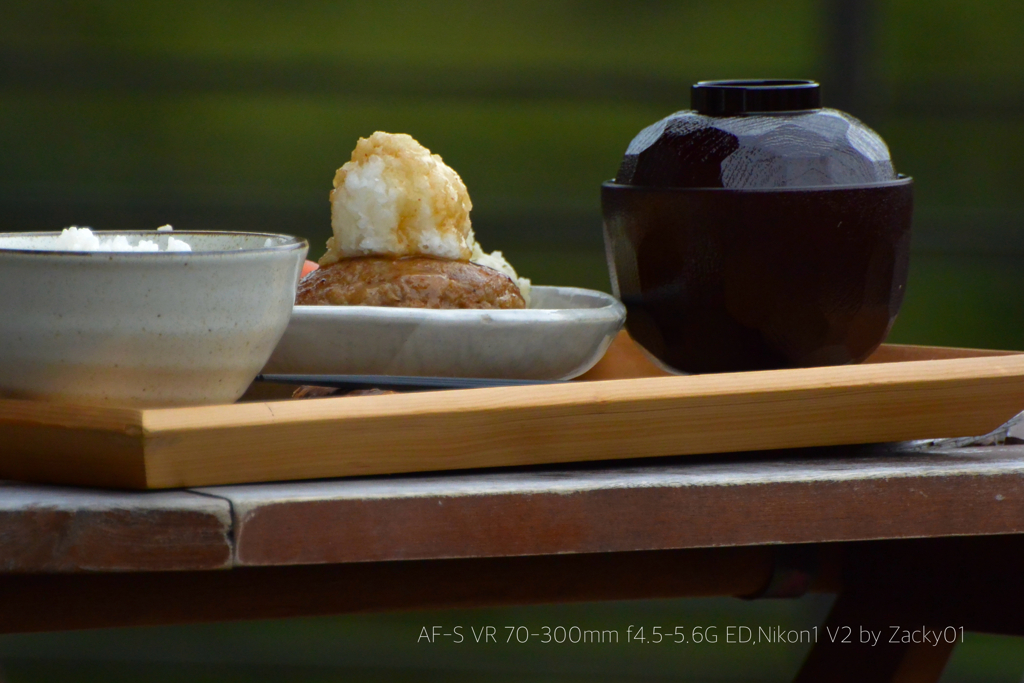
224,114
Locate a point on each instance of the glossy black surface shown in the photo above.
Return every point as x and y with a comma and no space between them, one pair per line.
817,147
730,98
719,280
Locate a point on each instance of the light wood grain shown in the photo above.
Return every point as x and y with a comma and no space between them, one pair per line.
577,421
69,444
581,421
626,360
902,353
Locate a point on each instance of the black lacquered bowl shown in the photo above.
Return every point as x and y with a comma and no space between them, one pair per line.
720,280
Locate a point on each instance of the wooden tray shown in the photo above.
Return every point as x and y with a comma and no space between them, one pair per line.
901,393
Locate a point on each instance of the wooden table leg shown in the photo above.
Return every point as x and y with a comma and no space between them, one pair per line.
946,586
924,663
854,645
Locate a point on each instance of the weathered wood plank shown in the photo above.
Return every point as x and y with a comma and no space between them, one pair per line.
57,529
807,496
852,494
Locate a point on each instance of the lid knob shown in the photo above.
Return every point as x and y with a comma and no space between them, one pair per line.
731,98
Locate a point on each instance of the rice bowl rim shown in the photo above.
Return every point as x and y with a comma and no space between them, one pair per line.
290,243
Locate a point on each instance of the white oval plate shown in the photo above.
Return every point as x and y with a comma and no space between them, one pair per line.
563,334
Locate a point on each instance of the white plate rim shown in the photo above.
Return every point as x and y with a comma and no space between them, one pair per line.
611,310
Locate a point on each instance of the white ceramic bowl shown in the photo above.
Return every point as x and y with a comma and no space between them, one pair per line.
143,329
563,334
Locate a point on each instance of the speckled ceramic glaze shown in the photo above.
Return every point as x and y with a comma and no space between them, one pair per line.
760,231
562,335
143,329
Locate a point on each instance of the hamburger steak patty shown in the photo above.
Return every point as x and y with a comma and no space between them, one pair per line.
408,282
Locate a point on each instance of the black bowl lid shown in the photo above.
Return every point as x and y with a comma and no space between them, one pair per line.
730,98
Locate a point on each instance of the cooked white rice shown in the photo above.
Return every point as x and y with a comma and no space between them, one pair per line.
84,239
395,198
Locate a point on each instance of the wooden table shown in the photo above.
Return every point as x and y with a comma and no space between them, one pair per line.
910,534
